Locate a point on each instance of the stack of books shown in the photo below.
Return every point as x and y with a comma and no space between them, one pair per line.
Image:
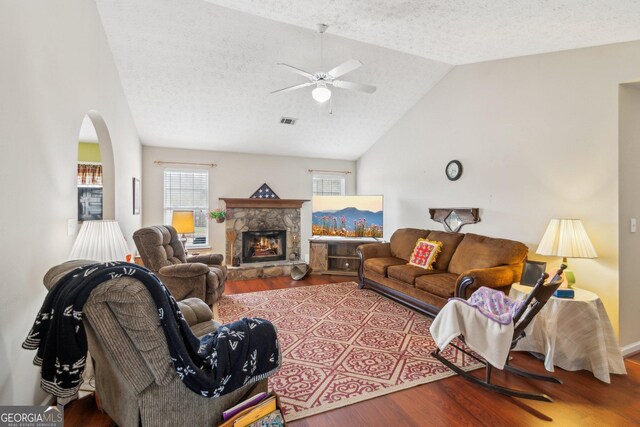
261,410
564,293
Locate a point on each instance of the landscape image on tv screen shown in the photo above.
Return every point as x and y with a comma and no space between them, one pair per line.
347,216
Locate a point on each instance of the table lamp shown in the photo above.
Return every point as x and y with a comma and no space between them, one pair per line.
100,241
566,238
183,222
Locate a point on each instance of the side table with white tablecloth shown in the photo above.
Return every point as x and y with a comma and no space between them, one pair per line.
573,334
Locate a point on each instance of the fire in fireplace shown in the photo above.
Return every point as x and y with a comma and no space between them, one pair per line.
264,245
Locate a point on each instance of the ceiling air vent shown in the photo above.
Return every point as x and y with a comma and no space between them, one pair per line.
288,121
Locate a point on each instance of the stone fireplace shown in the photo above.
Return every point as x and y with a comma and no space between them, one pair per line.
262,233
264,245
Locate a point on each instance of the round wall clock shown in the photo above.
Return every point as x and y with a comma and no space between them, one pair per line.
453,170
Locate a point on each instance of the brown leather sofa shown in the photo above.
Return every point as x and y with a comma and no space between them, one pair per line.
466,262
201,276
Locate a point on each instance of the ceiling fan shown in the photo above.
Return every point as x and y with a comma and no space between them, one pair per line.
322,80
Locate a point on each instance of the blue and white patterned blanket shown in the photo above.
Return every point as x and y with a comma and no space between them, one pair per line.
236,354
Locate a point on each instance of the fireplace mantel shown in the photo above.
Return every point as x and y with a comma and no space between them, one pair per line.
263,203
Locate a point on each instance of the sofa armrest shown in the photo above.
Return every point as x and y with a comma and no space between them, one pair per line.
184,270
209,259
195,311
494,277
375,250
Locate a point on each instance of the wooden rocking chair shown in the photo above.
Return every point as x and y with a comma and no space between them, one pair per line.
534,302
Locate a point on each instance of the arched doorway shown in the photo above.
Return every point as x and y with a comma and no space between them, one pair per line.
96,175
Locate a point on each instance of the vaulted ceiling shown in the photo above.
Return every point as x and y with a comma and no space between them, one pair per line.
197,74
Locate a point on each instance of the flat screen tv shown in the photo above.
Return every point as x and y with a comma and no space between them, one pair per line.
347,216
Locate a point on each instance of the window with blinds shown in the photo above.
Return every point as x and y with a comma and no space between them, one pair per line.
328,185
188,190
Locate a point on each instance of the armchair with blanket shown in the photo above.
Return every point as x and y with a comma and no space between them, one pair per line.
135,379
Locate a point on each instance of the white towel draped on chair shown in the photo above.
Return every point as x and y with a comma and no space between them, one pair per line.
490,323
486,337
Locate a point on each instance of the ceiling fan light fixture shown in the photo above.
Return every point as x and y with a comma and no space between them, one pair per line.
321,93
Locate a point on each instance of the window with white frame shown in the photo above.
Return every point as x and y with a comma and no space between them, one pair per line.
328,185
188,190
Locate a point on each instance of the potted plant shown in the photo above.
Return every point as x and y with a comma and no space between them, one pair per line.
219,215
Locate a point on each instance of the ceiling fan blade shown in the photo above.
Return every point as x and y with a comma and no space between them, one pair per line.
294,87
355,86
297,70
344,68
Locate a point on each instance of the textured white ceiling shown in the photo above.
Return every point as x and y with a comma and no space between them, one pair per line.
461,31
198,76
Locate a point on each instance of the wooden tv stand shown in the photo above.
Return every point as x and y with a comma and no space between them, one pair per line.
336,255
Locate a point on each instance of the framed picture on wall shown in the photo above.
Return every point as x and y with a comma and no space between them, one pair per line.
136,196
532,271
89,203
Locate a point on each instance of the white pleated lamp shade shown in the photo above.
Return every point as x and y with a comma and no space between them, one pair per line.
566,238
100,241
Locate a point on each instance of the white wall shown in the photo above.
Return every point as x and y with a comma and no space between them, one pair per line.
629,208
56,66
538,139
238,175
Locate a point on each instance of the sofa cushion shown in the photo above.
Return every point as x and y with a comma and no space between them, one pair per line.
408,273
485,252
450,242
380,265
425,253
404,240
442,284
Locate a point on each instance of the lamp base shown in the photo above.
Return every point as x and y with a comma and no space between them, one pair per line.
568,274
183,240
571,278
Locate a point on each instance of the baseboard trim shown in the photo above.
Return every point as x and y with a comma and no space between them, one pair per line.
48,401
630,349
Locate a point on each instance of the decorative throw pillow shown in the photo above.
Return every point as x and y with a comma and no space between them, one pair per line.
425,253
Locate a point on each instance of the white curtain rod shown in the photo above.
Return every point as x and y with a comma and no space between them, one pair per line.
322,170
160,162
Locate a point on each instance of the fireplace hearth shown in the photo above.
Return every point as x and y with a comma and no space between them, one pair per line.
264,245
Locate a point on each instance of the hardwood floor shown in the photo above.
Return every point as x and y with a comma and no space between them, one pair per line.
581,401
84,412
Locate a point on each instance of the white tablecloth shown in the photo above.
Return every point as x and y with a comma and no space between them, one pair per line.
573,334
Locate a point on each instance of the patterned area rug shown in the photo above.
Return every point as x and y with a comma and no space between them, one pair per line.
342,345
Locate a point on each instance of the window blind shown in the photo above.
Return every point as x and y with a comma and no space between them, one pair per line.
328,185
186,189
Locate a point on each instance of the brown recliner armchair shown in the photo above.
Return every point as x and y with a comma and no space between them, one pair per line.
201,276
134,377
